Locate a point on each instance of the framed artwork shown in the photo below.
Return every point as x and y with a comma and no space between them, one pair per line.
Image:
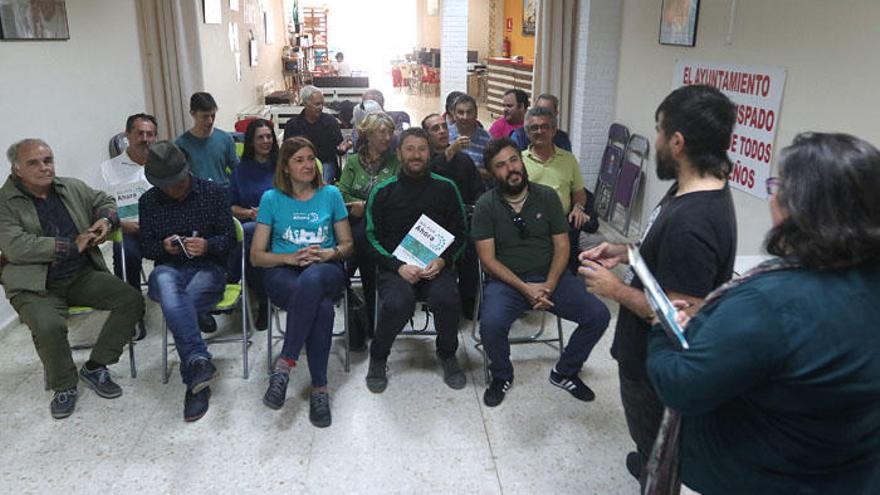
433,7
33,20
528,24
678,22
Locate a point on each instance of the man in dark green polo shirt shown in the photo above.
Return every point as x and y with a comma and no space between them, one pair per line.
521,235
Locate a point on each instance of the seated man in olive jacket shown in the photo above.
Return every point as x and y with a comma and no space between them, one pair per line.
50,229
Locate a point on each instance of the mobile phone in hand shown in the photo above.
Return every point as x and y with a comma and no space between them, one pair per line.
179,241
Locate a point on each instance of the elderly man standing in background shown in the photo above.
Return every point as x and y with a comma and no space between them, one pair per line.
321,129
50,228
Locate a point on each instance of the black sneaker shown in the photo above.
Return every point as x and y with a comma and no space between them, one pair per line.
452,372
573,385
203,373
140,331
377,379
634,465
207,324
195,405
63,403
496,392
99,380
262,322
277,391
319,409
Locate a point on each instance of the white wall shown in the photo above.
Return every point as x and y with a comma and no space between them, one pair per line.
74,94
597,51
453,46
428,33
218,63
828,48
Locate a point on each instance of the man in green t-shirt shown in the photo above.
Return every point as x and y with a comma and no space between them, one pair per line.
521,235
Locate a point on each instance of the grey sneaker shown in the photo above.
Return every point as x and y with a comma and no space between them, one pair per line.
63,403
319,409
277,391
377,379
99,380
452,373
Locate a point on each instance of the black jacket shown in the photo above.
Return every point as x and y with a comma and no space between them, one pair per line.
397,203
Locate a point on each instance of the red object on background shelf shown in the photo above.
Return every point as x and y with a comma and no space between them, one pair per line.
505,48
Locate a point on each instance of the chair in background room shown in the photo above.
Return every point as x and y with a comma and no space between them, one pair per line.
615,148
628,181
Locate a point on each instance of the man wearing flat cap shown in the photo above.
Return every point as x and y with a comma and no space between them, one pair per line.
187,230
50,229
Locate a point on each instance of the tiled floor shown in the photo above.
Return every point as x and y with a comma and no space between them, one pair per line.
417,437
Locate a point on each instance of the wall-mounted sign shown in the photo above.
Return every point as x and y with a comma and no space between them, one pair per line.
757,93
508,25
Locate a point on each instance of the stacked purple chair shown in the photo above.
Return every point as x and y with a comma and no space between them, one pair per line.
628,181
609,169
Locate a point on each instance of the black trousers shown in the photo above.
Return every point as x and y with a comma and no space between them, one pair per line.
468,279
363,259
643,411
398,303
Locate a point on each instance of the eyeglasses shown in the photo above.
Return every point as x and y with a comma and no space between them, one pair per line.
520,224
773,185
539,127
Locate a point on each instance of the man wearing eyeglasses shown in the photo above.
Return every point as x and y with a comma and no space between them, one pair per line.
521,235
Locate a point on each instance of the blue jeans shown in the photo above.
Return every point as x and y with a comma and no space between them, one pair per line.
502,305
307,294
133,260
184,292
254,274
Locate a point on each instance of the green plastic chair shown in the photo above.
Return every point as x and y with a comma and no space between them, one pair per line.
75,311
234,298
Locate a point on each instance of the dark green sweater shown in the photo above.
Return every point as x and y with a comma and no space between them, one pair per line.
780,390
397,203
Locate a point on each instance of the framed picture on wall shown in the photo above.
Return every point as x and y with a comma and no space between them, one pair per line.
678,22
528,17
33,20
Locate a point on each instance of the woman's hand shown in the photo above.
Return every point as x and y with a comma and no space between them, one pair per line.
302,258
356,208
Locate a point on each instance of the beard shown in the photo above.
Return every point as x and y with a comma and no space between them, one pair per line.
667,168
510,190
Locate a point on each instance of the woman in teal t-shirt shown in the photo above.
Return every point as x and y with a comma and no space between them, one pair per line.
302,237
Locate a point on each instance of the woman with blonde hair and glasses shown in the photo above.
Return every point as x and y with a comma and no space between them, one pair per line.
373,163
302,237
779,391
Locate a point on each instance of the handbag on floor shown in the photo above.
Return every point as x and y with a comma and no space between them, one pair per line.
662,469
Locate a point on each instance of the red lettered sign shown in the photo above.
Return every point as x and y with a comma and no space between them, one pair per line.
757,93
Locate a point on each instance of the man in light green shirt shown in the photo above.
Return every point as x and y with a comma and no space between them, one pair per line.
554,167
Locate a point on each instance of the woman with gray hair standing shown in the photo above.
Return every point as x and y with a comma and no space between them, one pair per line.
779,390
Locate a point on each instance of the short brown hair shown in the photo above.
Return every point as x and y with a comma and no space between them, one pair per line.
281,180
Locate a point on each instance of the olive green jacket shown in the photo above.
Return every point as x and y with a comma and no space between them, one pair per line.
26,253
